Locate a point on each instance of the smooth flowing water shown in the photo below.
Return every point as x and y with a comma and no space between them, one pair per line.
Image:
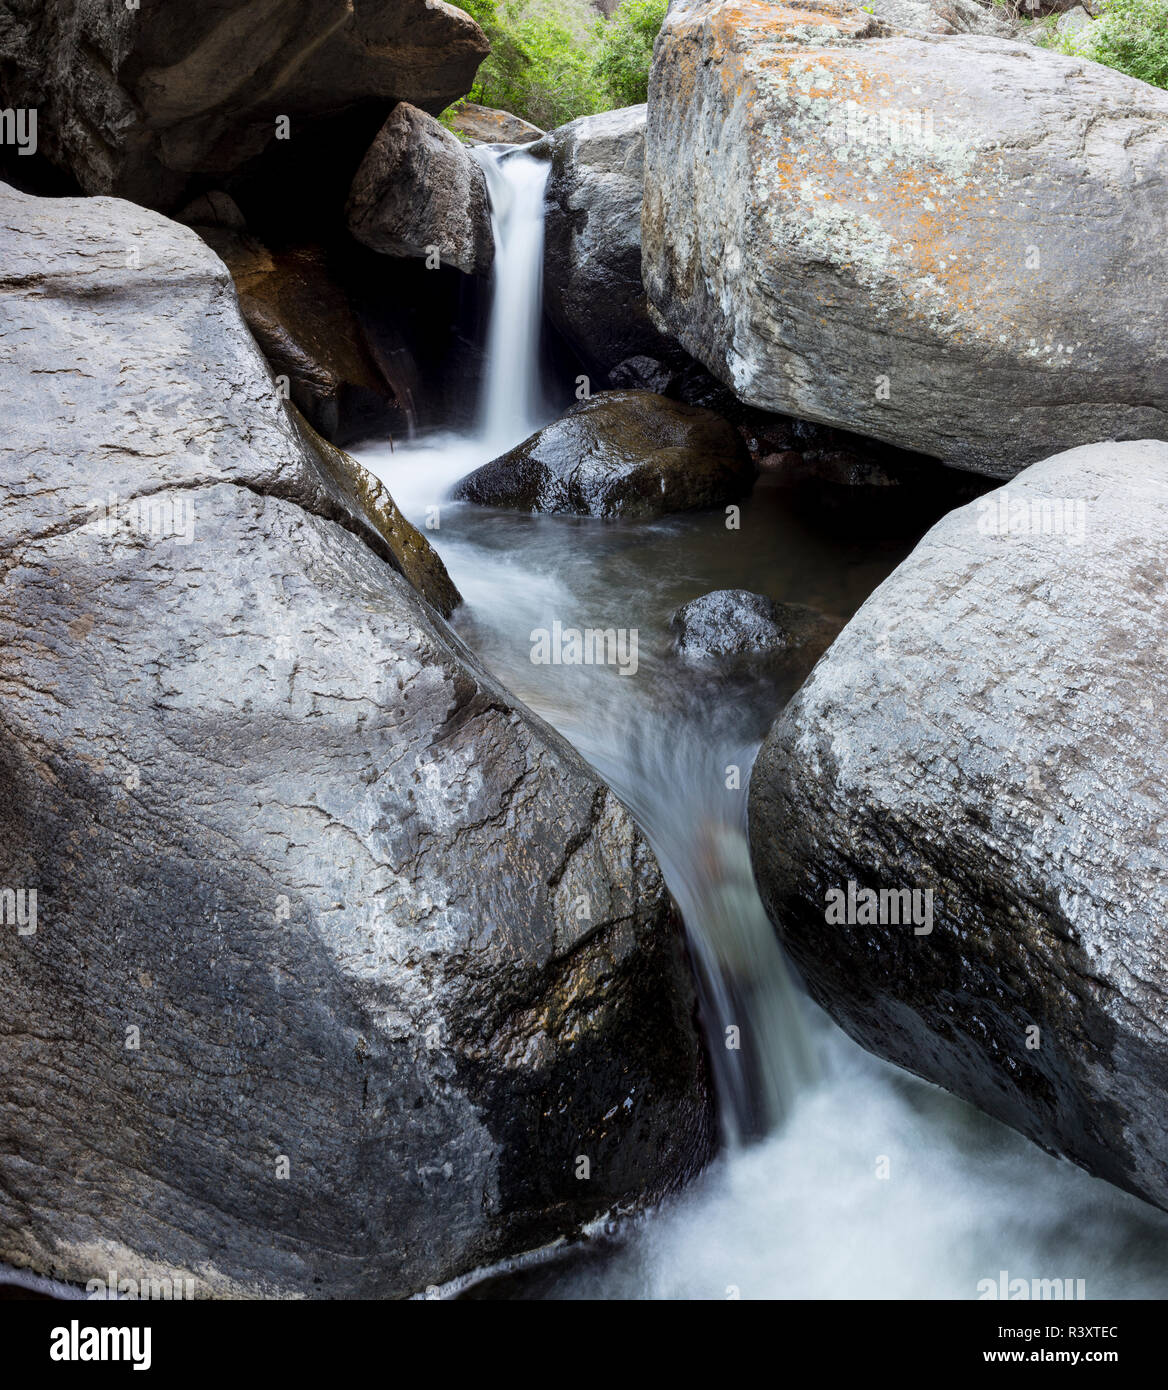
513,404
842,1176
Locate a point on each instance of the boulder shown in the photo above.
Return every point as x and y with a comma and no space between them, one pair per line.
592,241
987,737
736,625
483,125
418,188
134,101
943,16
341,958
1072,21
947,242
629,454
307,328
213,209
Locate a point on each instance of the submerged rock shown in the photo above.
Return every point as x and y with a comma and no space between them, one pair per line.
483,125
628,454
342,960
592,245
950,243
134,100
418,188
737,624
984,744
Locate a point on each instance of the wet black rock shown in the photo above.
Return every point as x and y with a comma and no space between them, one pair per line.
642,374
629,454
136,100
592,249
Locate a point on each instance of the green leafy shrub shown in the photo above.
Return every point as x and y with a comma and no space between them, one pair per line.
1130,36
542,59
554,60
626,50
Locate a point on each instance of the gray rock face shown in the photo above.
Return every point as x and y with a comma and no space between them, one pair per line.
948,243
135,101
628,454
990,729
1072,21
416,188
341,958
944,17
483,125
592,245
735,624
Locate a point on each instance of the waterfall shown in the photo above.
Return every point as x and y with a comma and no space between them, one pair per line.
662,748
795,1207
513,396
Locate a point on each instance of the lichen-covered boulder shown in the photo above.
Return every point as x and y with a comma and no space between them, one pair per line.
949,242
629,454
483,125
339,960
959,824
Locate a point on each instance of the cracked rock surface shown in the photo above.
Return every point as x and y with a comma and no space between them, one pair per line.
342,958
991,727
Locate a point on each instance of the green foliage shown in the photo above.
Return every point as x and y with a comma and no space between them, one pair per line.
554,60
1130,36
626,50
541,61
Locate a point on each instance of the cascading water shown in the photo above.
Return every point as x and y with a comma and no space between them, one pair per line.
513,397
805,1212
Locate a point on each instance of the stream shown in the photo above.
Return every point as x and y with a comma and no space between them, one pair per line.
840,1175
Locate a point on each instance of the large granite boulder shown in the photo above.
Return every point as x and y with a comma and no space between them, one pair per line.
592,242
948,242
630,454
342,961
959,824
134,100
418,188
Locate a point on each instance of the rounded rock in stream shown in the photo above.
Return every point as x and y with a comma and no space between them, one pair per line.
629,454
734,624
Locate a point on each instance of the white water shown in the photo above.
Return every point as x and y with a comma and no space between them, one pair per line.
513,405
803,1213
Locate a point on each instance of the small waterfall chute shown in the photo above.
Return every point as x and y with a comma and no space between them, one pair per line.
513,402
